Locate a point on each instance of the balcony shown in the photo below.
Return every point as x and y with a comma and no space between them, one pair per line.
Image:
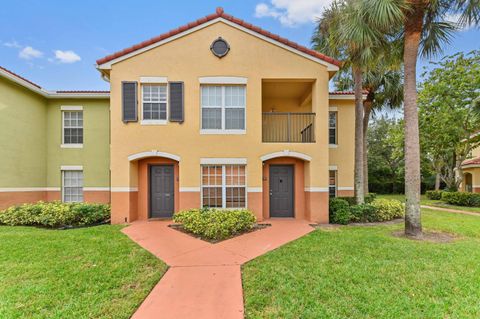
287,127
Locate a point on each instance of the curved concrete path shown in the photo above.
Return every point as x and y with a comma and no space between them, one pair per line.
204,280
456,211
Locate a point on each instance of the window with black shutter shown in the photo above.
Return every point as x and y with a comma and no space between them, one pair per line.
129,102
176,102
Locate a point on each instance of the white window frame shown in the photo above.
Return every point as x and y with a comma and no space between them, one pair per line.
330,127
336,182
71,108
65,169
223,130
224,185
157,82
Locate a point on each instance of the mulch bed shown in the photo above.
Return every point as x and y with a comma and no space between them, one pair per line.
429,236
180,228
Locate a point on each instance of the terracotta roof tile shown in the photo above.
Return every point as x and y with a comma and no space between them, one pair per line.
20,77
473,161
219,13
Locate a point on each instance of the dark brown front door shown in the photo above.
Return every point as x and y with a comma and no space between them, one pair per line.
161,191
281,191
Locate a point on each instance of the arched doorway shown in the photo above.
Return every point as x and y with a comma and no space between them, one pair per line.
468,182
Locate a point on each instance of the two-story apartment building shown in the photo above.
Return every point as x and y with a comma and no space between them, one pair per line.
216,113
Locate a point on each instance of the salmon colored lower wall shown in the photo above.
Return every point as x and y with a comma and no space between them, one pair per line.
124,207
189,200
255,204
476,189
53,196
143,184
8,199
345,193
317,206
102,197
299,185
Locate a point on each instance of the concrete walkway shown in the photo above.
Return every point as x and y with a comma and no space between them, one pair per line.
204,280
456,211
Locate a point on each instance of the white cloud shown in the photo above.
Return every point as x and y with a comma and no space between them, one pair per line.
455,17
12,44
66,56
29,53
291,13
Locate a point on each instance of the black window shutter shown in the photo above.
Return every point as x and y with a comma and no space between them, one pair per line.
129,102
176,102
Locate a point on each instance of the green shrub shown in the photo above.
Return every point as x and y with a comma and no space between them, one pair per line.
435,195
362,213
386,209
55,214
461,199
215,224
370,197
339,211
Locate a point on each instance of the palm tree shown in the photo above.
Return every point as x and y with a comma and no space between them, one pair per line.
344,31
383,83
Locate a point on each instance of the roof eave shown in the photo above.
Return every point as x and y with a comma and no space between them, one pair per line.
108,65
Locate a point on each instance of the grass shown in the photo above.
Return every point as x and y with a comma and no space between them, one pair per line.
83,273
364,272
430,202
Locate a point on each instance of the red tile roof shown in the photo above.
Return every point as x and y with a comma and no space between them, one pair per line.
81,91
20,77
219,14
473,161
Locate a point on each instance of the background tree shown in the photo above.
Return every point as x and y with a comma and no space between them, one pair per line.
448,116
345,32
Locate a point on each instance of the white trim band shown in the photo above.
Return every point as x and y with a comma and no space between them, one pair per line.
222,80
71,145
226,160
124,189
189,189
96,189
71,168
153,153
346,188
316,189
153,79
28,189
71,108
254,190
332,168
286,153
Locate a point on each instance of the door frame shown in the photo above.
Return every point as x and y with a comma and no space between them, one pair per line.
294,215
149,196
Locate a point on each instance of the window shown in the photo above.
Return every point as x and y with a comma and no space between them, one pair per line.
223,108
332,128
154,103
72,127
72,186
332,184
223,186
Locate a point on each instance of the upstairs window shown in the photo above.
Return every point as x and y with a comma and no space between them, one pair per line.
224,186
72,128
223,108
154,103
332,128
72,186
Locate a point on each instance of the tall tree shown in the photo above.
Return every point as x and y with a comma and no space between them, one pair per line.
448,116
344,31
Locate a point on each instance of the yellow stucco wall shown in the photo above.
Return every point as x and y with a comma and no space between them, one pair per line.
343,154
188,58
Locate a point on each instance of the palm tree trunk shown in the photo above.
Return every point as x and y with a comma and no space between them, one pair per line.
367,106
413,30
358,175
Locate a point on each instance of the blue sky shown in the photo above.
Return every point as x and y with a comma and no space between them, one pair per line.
55,43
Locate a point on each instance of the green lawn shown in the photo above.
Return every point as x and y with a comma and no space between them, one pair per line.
364,272
437,203
84,273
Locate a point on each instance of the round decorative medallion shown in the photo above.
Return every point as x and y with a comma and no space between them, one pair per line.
220,47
